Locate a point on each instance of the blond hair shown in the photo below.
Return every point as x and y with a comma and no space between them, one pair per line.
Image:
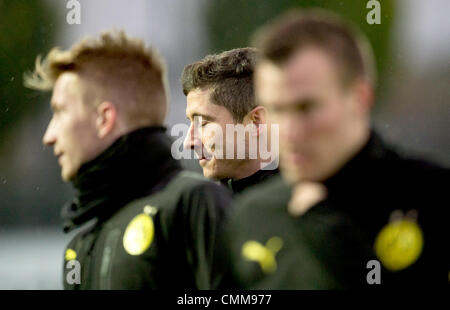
113,67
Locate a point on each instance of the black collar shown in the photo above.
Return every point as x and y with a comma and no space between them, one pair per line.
134,166
237,186
367,160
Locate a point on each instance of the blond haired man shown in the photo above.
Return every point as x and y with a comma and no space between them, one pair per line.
149,219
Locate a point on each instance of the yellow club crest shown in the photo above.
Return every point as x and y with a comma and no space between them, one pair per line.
139,234
70,255
399,244
264,255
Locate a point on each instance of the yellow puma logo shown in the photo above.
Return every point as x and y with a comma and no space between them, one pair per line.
264,255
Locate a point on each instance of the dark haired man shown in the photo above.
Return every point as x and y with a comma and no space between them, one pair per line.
348,211
220,99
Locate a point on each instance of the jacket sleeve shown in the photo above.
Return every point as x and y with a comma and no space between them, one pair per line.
205,208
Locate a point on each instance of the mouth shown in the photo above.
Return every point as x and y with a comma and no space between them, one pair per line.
297,158
203,160
203,156
59,156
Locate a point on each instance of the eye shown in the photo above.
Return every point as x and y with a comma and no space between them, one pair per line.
307,106
203,124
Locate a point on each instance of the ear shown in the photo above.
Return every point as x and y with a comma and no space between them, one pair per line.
106,118
365,95
256,117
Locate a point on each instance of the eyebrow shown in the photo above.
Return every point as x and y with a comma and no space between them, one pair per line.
305,101
206,117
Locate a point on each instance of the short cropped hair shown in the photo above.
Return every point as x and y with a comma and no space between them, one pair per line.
229,76
113,67
299,29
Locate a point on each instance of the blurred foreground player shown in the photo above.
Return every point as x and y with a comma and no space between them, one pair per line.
151,225
219,94
349,211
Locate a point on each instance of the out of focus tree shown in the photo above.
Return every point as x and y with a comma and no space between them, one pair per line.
231,23
26,29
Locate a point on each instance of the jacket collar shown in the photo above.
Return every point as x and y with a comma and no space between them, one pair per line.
373,152
237,186
134,166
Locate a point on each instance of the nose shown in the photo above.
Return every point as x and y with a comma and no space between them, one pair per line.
192,140
49,137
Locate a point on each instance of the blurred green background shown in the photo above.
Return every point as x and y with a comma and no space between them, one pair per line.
412,49
232,23
26,29
29,28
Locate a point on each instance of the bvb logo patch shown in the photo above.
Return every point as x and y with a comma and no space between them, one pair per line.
139,234
264,255
399,244
70,254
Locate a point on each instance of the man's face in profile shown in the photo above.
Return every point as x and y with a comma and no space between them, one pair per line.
207,120
72,129
315,112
